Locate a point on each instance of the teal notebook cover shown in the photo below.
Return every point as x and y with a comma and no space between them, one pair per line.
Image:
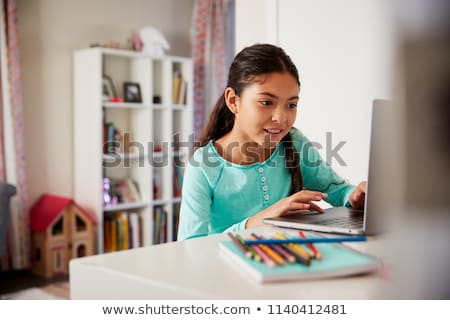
337,261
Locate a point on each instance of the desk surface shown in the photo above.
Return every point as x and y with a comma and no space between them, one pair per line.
196,269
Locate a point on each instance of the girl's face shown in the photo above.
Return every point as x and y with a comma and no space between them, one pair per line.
266,109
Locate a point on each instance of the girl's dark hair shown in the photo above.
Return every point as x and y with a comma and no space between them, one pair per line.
253,61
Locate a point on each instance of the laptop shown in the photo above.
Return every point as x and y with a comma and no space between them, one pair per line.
345,220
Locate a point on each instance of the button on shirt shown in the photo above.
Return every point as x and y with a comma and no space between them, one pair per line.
220,196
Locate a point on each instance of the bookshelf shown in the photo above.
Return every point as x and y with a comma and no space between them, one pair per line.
126,153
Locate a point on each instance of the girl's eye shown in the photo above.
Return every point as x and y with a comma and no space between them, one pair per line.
292,105
266,102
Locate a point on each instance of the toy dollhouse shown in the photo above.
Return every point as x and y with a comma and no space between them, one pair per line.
61,230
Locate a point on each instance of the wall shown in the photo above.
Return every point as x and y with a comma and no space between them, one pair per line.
343,50
256,29
49,31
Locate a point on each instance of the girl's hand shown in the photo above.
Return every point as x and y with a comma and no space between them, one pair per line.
358,196
296,203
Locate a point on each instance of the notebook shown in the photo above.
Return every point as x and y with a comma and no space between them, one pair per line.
345,220
337,261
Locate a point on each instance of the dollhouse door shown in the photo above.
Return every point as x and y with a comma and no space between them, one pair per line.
59,260
79,248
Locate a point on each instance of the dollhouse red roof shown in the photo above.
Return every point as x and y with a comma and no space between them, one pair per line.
47,209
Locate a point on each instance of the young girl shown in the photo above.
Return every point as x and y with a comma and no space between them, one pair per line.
251,163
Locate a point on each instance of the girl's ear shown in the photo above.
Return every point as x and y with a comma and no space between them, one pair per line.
232,100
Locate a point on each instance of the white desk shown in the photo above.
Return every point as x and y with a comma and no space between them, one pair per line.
196,269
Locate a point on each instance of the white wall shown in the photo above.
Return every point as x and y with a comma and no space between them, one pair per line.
343,50
255,22
49,31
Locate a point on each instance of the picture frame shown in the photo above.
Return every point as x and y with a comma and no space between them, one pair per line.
132,92
108,89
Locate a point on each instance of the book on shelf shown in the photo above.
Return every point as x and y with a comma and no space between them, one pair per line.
135,230
157,184
123,217
176,84
133,188
179,88
107,240
176,220
338,261
182,92
120,191
124,191
159,225
112,138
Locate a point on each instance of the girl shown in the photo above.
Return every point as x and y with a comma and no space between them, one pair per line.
251,163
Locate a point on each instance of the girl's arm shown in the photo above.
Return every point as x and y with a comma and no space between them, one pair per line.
318,175
195,211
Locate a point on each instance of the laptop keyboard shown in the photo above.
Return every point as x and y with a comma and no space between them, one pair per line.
345,222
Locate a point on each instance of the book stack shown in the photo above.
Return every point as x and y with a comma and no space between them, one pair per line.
122,230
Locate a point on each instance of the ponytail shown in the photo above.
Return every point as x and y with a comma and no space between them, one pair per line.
292,164
221,121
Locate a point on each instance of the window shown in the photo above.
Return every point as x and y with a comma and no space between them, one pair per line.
80,224
81,250
58,227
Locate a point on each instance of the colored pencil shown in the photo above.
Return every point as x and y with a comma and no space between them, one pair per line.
304,255
281,251
309,240
264,257
300,258
272,254
255,255
241,246
313,248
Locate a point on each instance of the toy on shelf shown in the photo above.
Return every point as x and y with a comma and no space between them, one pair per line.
153,42
61,230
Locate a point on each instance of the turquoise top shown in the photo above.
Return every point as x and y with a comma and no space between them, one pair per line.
220,196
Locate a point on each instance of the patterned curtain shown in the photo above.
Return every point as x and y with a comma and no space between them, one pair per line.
12,147
213,51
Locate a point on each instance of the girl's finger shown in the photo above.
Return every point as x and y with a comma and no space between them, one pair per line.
305,198
312,193
299,206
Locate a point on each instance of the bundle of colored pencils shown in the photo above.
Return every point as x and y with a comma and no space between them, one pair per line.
281,250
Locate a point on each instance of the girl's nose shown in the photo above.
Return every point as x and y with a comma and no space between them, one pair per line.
278,116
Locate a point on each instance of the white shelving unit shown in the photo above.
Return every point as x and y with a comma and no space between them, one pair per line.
149,124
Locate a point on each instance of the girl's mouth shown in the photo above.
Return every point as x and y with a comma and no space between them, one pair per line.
273,131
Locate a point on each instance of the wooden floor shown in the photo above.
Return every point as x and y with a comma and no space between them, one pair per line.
12,281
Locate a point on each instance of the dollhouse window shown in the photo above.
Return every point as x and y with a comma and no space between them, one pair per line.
58,227
81,251
80,224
